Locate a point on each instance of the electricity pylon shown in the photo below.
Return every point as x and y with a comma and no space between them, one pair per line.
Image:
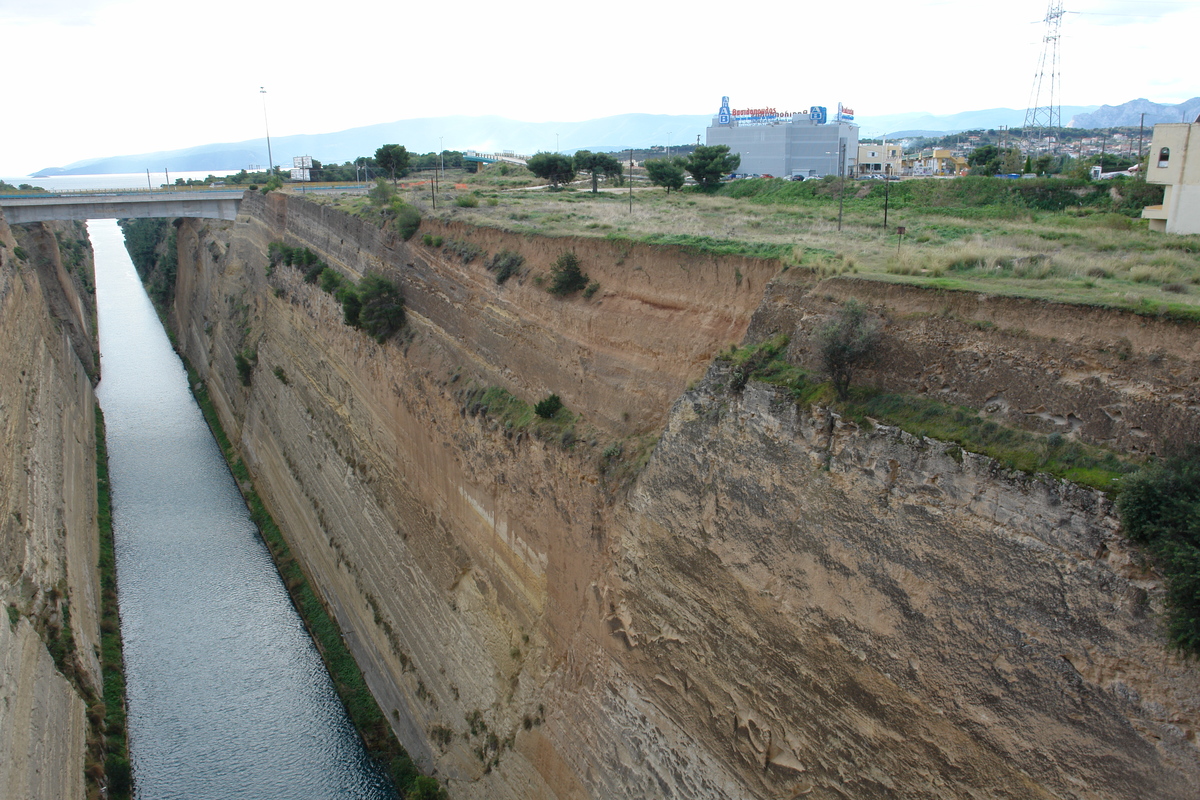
1045,107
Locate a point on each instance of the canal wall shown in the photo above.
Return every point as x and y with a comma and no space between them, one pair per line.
49,584
770,602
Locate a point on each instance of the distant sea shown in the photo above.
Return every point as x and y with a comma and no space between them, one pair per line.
128,180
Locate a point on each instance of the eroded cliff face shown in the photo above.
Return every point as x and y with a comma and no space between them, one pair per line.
871,615
780,603
1123,380
48,575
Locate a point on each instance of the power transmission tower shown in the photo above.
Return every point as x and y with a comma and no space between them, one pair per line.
1045,107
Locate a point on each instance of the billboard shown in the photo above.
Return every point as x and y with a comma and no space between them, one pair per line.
818,114
302,162
301,175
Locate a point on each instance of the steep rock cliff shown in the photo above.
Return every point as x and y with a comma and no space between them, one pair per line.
48,534
780,604
1127,381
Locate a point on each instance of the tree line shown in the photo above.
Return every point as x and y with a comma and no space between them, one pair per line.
707,164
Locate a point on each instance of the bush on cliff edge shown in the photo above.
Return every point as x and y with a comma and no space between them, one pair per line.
1160,509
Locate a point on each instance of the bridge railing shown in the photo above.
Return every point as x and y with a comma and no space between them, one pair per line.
506,155
22,194
25,193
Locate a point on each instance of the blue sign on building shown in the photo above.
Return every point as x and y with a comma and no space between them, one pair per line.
724,117
818,114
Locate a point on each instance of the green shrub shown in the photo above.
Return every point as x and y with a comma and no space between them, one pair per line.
1160,509
381,193
351,307
245,362
466,201
408,219
381,311
565,276
20,253
591,289
281,375
331,280
548,407
119,774
505,264
465,250
765,360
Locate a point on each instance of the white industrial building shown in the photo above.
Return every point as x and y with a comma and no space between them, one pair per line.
786,144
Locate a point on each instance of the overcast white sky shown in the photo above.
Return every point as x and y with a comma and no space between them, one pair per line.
93,78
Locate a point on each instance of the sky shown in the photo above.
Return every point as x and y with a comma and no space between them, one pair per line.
95,78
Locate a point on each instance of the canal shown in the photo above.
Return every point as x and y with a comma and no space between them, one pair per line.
228,697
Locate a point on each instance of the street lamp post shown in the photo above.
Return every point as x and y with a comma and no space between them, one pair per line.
267,127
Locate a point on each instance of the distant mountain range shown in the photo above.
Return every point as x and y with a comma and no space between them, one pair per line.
1130,114
922,123
485,134
491,133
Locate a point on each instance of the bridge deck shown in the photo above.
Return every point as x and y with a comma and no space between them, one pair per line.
120,204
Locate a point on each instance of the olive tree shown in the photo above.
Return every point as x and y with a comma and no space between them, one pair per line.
846,342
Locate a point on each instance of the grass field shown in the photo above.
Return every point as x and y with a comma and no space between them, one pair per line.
1072,242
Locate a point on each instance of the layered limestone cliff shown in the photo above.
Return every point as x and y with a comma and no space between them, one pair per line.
48,574
781,604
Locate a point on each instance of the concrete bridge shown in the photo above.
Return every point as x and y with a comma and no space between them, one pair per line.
120,204
507,157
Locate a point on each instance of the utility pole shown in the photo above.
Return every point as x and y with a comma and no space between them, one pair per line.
887,185
631,180
267,127
842,189
1141,130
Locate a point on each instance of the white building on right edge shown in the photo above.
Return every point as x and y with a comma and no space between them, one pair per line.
1169,164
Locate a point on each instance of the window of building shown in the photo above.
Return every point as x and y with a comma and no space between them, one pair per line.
1164,156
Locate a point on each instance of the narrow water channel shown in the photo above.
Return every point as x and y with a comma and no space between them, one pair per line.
228,697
